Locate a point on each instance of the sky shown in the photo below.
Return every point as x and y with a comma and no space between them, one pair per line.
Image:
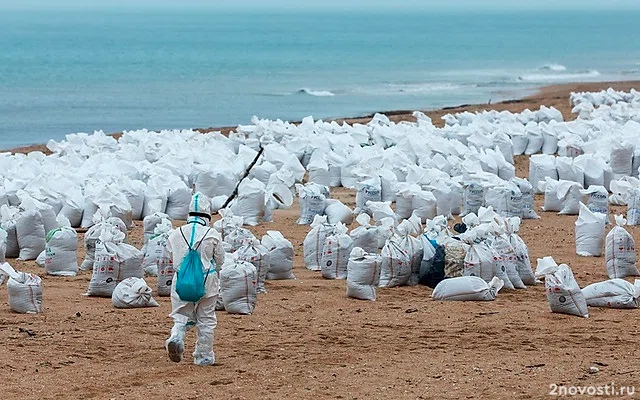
320,4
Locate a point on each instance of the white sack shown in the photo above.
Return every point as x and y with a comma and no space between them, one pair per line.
467,288
24,290
363,274
238,280
620,251
589,233
133,293
280,256
614,293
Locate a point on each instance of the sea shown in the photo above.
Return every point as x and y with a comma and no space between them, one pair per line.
72,71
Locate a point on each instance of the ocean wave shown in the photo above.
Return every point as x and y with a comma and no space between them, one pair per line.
559,77
553,67
316,93
422,87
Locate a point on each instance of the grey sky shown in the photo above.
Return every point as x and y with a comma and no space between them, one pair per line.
321,4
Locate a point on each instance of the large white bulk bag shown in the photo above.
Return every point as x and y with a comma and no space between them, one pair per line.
238,283
597,199
336,211
633,208
568,171
535,142
369,189
564,294
365,236
220,181
395,268
31,234
621,159
134,192
473,198
562,196
363,274
47,213
614,293
506,200
313,199
520,141
280,256
133,293
24,290
404,199
155,199
620,251
258,255
61,252
412,245
335,253
527,191
178,200
467,288
9,218
425,205
550,142
589,232
388,180
319,169
250,201
540,167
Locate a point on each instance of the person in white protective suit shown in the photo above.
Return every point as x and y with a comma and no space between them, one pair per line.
195,234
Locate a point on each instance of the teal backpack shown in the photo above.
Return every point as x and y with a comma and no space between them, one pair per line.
190,278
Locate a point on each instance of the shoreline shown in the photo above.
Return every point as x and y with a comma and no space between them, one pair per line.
551,96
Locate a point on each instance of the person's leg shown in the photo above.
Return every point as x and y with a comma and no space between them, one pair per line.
206,322
175,343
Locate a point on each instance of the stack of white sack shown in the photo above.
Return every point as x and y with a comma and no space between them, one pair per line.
563,293
494,250
24,290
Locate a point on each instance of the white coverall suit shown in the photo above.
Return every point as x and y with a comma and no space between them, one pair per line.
201,314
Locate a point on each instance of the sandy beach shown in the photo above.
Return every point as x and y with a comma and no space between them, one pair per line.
307,340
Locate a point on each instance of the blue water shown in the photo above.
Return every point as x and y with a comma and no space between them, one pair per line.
84,71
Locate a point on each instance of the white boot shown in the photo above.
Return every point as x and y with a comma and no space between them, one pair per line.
175,344
203,354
